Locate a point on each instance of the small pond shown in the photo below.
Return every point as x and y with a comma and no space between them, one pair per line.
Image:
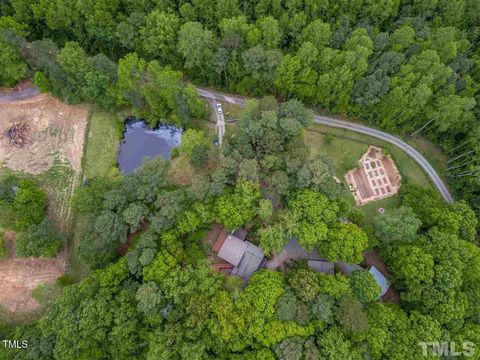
141,141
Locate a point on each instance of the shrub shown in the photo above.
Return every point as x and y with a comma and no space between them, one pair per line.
38,240
3,248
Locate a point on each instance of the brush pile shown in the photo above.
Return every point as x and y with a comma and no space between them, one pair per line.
17,134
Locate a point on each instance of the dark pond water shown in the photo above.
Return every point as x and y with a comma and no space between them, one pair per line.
140,141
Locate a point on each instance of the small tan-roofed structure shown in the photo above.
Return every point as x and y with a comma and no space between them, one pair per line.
232,250
376,178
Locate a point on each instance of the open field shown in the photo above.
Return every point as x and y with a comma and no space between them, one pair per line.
20,276
345,148
55,130
102,143
100,157
231,111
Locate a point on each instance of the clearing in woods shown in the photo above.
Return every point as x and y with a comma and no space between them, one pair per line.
51,153
19,276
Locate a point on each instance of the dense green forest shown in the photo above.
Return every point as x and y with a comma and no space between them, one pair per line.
162,301
399,65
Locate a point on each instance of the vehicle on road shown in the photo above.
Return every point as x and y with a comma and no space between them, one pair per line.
219,108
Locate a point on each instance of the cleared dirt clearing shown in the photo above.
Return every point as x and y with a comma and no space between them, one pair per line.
18,277
52,151
56,130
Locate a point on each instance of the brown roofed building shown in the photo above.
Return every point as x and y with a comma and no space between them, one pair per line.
244,256
232,250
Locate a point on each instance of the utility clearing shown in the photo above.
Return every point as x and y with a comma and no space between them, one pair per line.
19,276
42,137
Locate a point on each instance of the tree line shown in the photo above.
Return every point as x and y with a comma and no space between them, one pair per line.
406,66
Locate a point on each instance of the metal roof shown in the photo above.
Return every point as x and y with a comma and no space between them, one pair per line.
232,250
381,280
240,234
250,261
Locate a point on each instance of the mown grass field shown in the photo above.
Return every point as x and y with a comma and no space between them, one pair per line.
102,143
344,148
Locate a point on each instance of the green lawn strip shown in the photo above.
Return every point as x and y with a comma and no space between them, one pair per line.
103,140
231,111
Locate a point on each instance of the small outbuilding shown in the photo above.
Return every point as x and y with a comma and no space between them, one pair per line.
380,279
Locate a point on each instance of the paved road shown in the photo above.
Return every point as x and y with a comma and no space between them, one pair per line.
18,95
291,251
362,129
323,120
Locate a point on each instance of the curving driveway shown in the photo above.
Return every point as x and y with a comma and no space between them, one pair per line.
362,129
323,120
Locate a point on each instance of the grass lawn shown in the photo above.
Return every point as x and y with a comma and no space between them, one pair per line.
435,156
182,172
344,148
105,132
231,111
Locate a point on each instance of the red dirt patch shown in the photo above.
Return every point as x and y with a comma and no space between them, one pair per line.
18,277
55,130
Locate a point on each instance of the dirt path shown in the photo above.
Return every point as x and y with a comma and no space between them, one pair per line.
22,91
18,95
